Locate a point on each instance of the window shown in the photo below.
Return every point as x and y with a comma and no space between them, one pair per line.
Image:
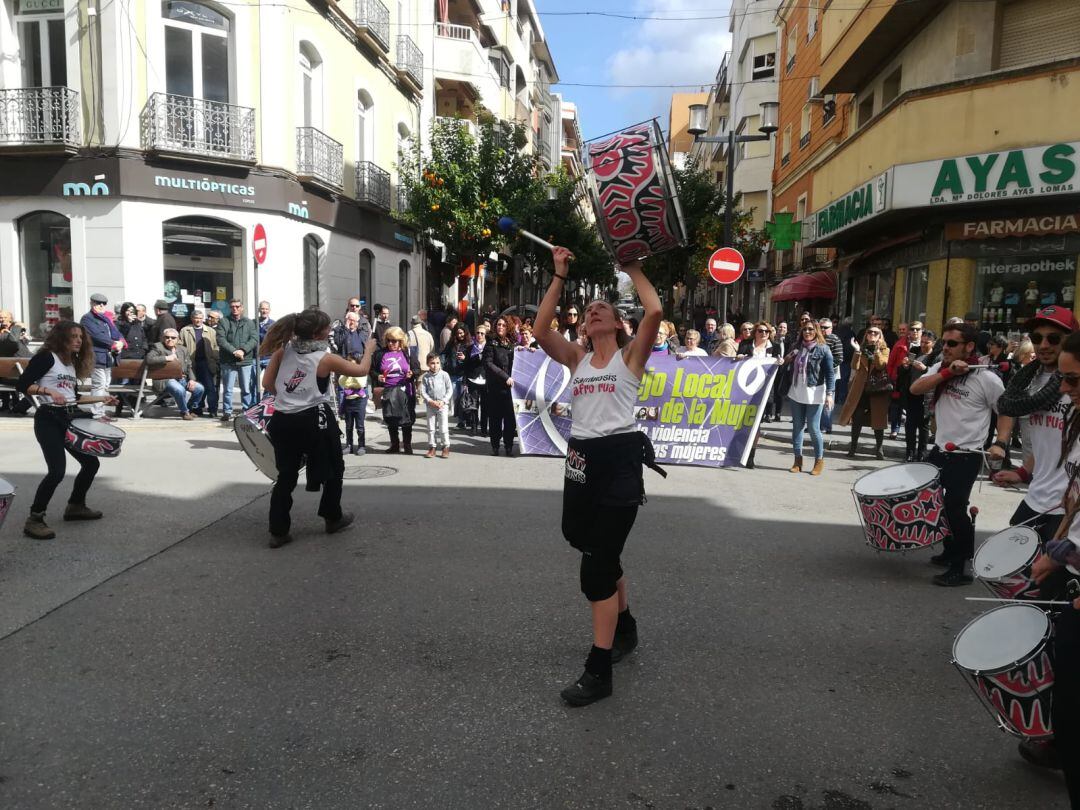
804,127
865,112
42,46
890,88
403,296
917,282
764,66
828,109
365,280
311,95
792,46
365,127
1034,32
45,241
785,155
800,215
196,51
311,271
811,19
502,70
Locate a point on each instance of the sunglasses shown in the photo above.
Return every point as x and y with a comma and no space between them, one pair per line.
354,306
1053,338
952,344
1071,380
236,306
571,314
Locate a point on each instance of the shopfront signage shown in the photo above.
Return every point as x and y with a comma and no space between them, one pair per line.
1015,226
207,184
1038,171
858,205
296,210
38,6
98,189
1050,264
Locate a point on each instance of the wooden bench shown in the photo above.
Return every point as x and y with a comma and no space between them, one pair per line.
11,368
139,375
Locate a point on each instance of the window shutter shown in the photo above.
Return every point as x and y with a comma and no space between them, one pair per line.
1038,31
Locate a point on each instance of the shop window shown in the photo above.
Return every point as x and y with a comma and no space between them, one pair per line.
45,241
201,264
403,296
885,294
890,88
865,112
311,271
915,286
1008,290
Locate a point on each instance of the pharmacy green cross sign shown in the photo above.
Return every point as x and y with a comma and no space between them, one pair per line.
783,232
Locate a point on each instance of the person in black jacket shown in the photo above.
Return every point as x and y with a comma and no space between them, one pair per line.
162,321
455,362
133,333
498,367
836,347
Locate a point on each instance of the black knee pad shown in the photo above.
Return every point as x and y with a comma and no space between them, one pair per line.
599,575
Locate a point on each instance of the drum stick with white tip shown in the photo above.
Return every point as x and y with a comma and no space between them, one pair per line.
509,227
1015,601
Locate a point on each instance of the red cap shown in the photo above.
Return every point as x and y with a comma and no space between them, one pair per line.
1059,316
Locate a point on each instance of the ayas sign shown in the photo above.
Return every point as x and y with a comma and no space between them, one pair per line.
1005,175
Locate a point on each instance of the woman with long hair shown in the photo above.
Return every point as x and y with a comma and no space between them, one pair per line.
455,361
303,423
869,391
812,386
726,347
498,360
397,372
476,381
53,374
602,486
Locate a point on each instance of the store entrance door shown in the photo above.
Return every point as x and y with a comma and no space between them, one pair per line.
202,265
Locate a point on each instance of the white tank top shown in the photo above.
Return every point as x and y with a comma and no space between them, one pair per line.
60,378
297,388
602,399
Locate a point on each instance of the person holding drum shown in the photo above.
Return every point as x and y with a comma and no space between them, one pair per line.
603,487
963,403
53,374
303,424
1035,392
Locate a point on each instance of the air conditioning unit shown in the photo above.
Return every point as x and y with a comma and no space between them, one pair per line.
813,90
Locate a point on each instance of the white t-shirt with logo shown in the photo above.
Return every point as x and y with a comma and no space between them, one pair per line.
965,407
1044,428
602,399
60,377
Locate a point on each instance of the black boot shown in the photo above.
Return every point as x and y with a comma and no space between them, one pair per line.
594,683
406,439
625,637
854,442
879,439
750,458
395,443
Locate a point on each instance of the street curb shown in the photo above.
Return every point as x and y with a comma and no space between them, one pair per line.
838,442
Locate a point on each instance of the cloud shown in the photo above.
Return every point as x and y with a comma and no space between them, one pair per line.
666,52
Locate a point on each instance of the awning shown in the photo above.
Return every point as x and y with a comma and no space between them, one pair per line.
819,284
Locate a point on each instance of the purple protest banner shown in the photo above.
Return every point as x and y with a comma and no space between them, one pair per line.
703,411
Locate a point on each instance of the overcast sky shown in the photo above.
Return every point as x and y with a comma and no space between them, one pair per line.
602,50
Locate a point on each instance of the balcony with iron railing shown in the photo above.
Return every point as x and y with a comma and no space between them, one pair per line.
372,185
459,56
373,19
196,127
401,199
410,60
319,158
40,116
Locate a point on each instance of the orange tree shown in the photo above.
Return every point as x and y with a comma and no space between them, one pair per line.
458,193
702,203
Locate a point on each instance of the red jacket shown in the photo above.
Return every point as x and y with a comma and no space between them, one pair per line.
896,356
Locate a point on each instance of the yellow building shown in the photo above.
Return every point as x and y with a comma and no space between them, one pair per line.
956,188
680,142
145,145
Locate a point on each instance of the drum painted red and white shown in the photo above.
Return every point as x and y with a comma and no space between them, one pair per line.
901,507
1004,561
633,193
7,495
94,438
1006,655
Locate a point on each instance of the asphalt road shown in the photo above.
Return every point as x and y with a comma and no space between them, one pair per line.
164,657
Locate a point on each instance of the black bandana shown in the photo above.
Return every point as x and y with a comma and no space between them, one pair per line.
1016,401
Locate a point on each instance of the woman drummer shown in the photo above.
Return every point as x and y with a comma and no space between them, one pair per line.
603,485
303,424
53,374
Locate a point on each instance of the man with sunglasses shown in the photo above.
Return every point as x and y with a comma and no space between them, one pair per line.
1035,392
963,403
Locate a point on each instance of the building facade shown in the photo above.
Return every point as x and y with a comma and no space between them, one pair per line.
956,188
680,142
144,145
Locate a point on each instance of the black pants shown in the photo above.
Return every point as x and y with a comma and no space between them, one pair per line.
392,426
500,409
293,438
1065,714
1046,526
49,430
916,430
354,420
958,474
859,418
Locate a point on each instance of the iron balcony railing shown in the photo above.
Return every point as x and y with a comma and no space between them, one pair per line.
196,126
374,16
410,59
372,185
39,115
319,157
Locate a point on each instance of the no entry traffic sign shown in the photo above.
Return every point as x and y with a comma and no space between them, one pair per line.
258,243
726,266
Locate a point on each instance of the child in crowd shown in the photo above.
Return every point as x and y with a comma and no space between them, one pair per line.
437,390
353,410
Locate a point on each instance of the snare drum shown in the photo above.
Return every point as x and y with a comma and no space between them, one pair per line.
250,428
1006,655
633,193
901,507
94,438
7,495
1003,563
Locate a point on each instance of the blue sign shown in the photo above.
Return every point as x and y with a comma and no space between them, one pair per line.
755,275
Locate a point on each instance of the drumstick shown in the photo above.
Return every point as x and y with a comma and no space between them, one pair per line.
509,227
1015,601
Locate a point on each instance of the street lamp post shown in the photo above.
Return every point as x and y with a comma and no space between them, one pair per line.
698,126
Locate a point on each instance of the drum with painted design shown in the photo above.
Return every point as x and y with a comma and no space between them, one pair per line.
901,507
94,438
